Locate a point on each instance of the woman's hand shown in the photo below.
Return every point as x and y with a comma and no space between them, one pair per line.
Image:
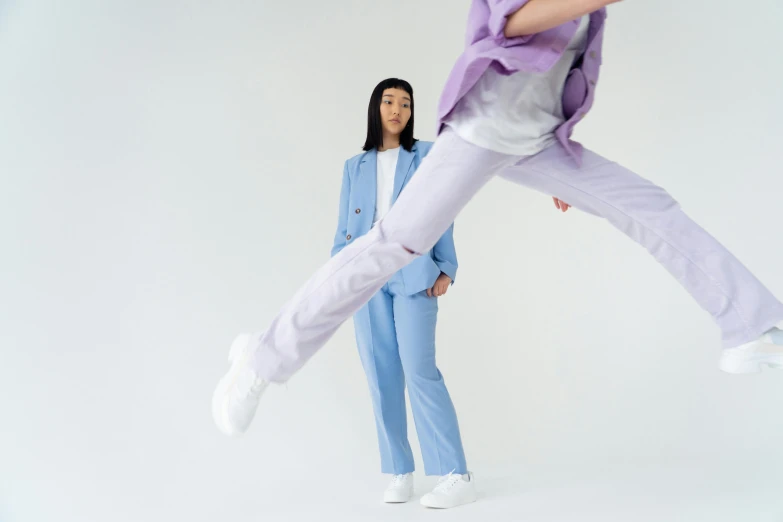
440,287
561,205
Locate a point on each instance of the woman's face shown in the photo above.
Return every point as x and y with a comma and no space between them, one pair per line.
395,110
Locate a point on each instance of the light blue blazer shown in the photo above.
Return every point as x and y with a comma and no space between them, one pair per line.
357,209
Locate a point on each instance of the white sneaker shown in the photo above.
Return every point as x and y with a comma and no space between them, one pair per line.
235,400
751,357
400,489
452,491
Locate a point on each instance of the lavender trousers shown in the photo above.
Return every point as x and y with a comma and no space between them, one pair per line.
456,170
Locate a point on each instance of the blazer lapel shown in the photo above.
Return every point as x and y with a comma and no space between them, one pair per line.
404,161
368,185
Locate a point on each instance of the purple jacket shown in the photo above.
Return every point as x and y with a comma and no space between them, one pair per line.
486,47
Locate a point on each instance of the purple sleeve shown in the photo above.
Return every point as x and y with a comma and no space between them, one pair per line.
499,11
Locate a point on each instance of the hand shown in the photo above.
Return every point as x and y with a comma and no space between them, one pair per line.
440,287
561,205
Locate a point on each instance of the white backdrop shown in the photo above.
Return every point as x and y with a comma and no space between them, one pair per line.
169,175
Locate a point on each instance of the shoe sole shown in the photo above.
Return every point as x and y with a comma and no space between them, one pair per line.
753,363
219,406
473,497
471,501
387,500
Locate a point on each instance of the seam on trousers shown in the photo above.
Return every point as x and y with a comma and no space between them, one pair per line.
378,384
381,239
338,269
403,406
304,298
438,449
396,469
433,438
410,251
443,391
713,281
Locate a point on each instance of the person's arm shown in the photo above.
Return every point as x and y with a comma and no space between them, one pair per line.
342,220
445,256
537,16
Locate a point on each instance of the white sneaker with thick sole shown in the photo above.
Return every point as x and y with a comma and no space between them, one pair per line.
400,489
452,491
235,400
752,357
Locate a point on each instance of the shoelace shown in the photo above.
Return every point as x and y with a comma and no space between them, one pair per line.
447,482
257,386
397,481
249,385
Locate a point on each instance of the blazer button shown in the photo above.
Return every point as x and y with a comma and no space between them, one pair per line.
592,82
358,211
348,237
592,55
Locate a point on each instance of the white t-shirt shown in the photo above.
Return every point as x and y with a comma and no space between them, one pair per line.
386,168
517,114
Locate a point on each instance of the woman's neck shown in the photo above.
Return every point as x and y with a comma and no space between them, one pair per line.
389,142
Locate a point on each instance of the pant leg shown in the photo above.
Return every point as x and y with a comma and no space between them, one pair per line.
720,284
376,339
415,318
447,179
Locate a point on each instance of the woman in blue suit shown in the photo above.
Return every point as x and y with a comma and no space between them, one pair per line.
395,331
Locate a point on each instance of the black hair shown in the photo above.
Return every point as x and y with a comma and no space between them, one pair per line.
375,127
